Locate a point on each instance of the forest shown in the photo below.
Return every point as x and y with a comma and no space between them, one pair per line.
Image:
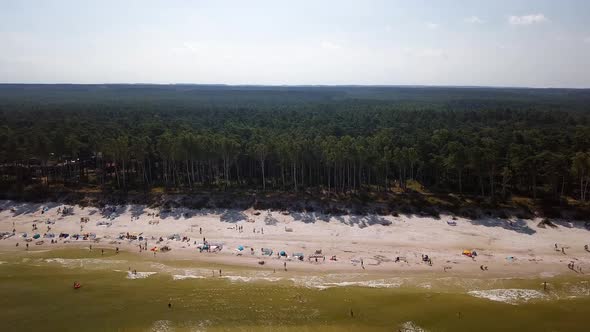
485,142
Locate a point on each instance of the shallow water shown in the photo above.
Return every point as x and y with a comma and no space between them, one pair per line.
36,294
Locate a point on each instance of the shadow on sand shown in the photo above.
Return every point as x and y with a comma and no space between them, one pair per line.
518,225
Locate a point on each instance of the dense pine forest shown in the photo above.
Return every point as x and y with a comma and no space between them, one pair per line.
487,142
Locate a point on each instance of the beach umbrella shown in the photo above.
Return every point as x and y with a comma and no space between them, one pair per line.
240,248
36,236
283,253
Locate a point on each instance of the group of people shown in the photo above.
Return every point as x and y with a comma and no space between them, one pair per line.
572,266
427,260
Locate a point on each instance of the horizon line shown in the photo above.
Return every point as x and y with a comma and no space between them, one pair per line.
316,85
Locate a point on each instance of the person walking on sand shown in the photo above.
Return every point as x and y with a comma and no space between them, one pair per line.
27,246
563,250
102,252
284,264
220,272
116,250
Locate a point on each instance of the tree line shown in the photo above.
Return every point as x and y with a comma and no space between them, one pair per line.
346,141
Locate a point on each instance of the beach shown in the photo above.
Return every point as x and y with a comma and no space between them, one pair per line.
517,273
349,243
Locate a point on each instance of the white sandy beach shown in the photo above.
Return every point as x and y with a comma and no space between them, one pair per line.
512,248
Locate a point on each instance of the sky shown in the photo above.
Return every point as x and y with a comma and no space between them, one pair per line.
522,43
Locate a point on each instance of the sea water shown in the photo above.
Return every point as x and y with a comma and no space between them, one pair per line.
126,292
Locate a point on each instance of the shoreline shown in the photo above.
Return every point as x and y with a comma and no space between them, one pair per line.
375,240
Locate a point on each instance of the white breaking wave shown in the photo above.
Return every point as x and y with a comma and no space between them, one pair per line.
185,276
319,283
250,279
139,275
237,278
511,296
162,326
83,262
411,327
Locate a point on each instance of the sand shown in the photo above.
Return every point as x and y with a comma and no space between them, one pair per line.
508,248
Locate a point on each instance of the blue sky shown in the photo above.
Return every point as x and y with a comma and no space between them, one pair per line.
537,43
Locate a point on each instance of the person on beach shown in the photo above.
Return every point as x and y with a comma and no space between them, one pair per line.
27,246
285,265
563,250
116,250
102,252
220,272
200,230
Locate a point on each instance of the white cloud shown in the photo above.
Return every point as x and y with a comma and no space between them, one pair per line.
431,25
473,20
430,53
187,48
527,19
328,45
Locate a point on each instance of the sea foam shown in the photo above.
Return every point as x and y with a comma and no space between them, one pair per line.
139,275
510,296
